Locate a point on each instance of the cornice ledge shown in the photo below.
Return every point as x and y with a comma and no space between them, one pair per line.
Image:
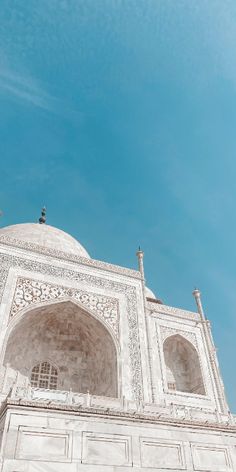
61,255
134,416
170,310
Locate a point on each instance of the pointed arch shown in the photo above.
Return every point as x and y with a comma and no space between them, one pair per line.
183,369
79,343
23,312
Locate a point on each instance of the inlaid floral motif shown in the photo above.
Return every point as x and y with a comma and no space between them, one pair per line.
29,292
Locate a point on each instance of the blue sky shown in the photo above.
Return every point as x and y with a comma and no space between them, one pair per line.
119,116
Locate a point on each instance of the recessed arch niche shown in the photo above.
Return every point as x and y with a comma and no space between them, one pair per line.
79,345
183,370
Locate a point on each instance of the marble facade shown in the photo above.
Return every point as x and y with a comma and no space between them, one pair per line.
98,375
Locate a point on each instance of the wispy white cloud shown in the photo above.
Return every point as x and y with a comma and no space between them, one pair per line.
26,89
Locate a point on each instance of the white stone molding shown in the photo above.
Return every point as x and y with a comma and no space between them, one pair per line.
30,292
8,261
56,254
3,278
21,391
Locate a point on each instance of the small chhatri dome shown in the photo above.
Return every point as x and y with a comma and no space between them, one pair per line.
149,293
46,236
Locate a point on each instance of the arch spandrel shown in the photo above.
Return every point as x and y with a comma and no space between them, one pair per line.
78,343
167,331
29,293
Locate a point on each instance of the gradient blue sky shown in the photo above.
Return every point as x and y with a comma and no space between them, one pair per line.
119,116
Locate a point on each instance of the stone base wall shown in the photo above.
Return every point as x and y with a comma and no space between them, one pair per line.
37,439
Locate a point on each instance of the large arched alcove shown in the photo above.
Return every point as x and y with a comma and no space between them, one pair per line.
183,370
78,346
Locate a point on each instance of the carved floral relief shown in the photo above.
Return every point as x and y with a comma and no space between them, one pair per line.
29,292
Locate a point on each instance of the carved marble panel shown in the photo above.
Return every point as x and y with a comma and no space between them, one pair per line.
162,454
38,444
106,449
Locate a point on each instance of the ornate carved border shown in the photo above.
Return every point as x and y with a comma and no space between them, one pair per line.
29,292
7,261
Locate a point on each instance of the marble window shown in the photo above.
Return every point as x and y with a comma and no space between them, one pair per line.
44,375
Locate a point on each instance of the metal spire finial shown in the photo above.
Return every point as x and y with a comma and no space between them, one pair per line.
42,219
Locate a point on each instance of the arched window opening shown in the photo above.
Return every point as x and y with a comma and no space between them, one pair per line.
44,375
183,370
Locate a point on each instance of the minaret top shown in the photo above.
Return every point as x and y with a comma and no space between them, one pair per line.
197,296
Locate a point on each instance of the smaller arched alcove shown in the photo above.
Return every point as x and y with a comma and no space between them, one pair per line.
183,370
61,346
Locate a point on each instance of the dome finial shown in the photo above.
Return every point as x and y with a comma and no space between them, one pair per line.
42,219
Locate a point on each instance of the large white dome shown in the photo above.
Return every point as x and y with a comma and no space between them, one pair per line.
45,236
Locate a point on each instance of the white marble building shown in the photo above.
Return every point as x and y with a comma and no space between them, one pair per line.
96,374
